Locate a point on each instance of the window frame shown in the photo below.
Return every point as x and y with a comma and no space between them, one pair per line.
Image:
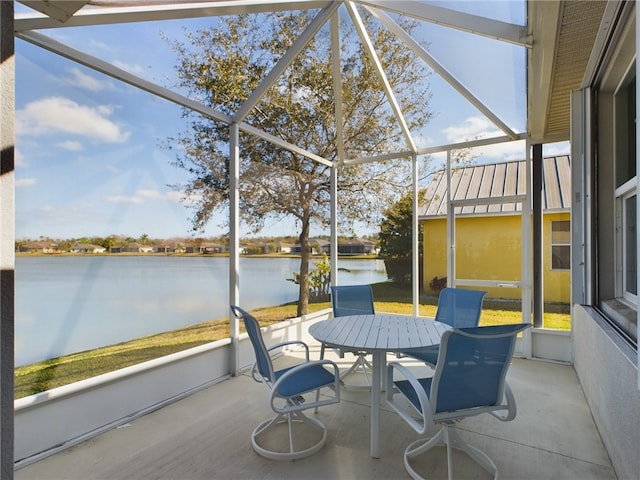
560,244
625,171
623,193
612,176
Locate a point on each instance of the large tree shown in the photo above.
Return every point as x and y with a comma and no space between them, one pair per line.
222,65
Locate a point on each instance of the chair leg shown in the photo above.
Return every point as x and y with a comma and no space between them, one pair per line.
289,418
361,362
450,438
476,454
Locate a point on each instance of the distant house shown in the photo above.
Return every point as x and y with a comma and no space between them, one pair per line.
39,247
211,247
488,237
356,246
318,245
284,247
321,245
169,247
134,247
87,248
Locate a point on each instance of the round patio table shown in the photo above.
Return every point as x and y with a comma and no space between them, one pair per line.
378,334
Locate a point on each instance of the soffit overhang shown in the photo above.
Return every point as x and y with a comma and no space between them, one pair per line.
566,38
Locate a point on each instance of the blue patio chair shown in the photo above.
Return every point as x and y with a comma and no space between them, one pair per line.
469,380
457,307
352,300
288,387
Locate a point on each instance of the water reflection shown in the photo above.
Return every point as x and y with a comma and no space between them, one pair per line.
76,303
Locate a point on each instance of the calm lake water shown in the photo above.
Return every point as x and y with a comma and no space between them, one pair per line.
70,304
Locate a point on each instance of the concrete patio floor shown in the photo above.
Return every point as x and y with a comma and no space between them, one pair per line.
207,436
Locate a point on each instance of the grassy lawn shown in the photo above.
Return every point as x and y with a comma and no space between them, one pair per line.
42,376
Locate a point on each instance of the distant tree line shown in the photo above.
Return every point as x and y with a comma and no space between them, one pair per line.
118,242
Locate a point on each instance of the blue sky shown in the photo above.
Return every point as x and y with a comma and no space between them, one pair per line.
89,156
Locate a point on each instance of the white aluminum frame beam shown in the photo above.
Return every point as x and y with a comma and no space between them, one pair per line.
466,22
415,239
436,149
421,52
471,144
337,86
48,43
340,150
94,63
391,98
287,59
164,11
60,10
234,244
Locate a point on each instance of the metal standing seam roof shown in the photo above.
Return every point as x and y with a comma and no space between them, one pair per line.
495,180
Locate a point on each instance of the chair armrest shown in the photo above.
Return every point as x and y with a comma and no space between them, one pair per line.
409,416
294,405
292,342
254,368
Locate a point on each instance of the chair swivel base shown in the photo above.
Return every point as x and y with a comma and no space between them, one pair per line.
287,420
450,438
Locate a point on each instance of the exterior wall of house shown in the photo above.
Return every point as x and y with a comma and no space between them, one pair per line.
608,372
489,248
605,361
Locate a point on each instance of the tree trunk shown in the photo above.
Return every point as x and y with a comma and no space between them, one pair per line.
305,253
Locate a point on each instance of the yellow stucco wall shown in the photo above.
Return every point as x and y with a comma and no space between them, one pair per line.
488,248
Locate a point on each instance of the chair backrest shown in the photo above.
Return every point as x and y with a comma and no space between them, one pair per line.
460,308
352,300
472,366
263,359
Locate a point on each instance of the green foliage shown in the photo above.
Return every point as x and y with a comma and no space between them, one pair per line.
437,284
396,228
400,270
319,280
221,66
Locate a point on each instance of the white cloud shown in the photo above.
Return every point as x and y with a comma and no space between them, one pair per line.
26,182
175,196
19,158
80,79
135,69
62,115
70,145
149,193
503,151
124,199
553,149
472,127
141,196
480,127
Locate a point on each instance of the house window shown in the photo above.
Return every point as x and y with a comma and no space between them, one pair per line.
626,188
616,286
560,245
608,217
628,256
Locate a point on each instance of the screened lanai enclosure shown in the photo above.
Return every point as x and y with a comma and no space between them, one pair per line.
410,87
340,110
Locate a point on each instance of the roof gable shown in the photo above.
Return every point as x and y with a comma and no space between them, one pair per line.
495,180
